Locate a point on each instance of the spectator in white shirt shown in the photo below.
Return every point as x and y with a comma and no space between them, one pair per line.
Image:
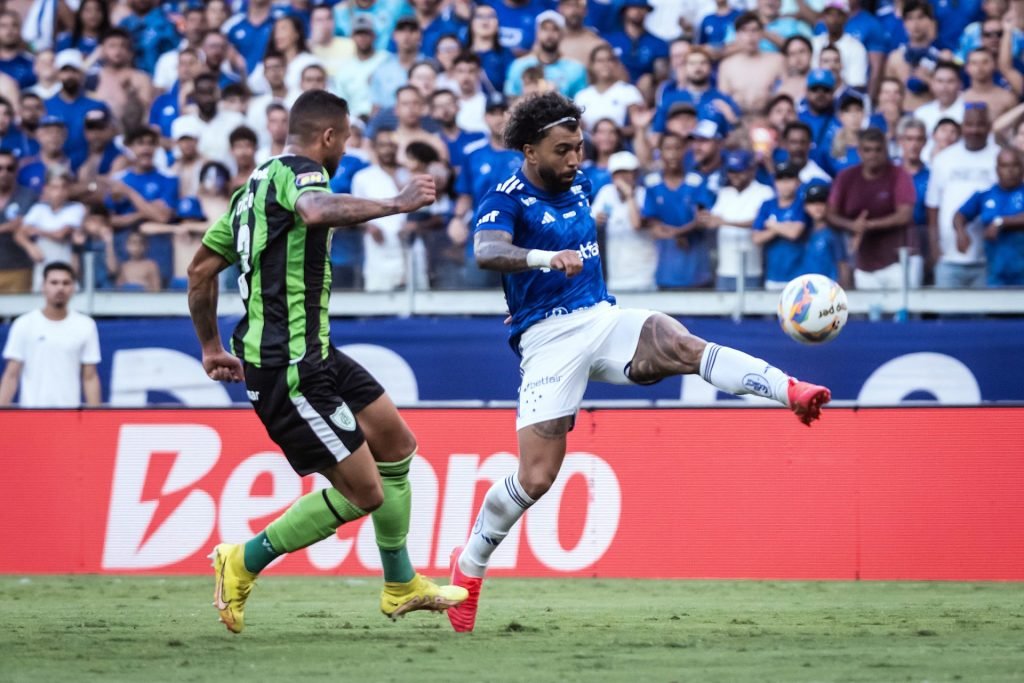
946,85
632,257
607,96
52,352
214,122
852,51
47,229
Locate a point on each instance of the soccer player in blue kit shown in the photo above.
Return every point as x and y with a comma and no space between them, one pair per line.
537,230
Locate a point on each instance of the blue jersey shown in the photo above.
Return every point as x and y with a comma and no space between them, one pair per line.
638,55
457,146
153,186
599,176
250,39
516,25
783,258
671,93
952,17
715,27
152,35
73,113
538,220
866,28
678,265
20,68
1005,253
824,251
483,167
495,64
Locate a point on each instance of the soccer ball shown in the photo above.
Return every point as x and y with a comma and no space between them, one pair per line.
812,309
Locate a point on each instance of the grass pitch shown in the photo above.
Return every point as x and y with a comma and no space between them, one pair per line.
89,628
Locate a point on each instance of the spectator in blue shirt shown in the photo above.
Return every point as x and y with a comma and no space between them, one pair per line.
706,172
912,136
13,60
435,22
567,76
484,40
71,105
818,109
644,55
152,33
92,21
383,13
250,32
51,159
715,27
1000,211
825,251
517,30
953,17
12,138
140,195
670,208
841,150
692,84
780,228
444,107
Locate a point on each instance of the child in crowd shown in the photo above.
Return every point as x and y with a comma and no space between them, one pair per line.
780,229
825,251
946,134
139,271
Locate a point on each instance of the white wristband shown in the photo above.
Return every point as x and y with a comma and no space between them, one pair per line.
538,258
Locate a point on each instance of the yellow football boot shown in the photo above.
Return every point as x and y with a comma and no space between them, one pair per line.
234,583
421,593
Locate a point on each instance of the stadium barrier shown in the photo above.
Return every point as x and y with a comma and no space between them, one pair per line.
907,493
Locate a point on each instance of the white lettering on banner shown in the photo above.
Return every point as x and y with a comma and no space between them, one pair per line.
137,371
178,533
604,502
942,376
464,472
237,504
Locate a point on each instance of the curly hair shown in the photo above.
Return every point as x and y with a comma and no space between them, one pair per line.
532,117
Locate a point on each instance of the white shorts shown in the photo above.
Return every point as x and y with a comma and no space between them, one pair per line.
561,354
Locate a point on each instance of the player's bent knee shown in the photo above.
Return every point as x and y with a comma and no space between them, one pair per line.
536,484
689,350
367,498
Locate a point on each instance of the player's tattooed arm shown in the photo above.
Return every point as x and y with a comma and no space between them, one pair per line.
494,251
328,210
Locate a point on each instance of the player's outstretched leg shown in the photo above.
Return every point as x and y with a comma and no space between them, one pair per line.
311,518
666,348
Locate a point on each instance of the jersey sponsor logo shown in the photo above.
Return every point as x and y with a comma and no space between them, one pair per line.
489,217
344,418
588,250
253,395
548,218
311,178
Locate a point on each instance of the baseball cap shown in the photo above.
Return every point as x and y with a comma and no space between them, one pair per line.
97,118
408,21
786,169
707,129
495,101
363,22
816,192
681,108
623,4
552,16
189,208
51,120
70,59
819,77
841,5
186,127
738,160
623,161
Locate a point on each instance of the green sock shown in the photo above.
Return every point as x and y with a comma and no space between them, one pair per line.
311,518
391,520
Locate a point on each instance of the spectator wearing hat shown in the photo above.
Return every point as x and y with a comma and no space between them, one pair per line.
644,55
631,258
484,40
958,172
825,251
913,61
692,83
444,109
681,119
732,217
214,121
127,91
516,23
188,161
999,211
818,108
750,74
567,76
706,171
579,40
14,61
142,194
607,96
359,68
151,31
780,229
393,72
670,209
105,156
194,28
15,201
796,149
11,136
51,160
946,86
486,163
852,51
874,203
436,19
71,105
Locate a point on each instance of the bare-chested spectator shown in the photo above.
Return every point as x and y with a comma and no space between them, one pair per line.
914,62
749,75
797,51
127,91
579,41
409,109
981,67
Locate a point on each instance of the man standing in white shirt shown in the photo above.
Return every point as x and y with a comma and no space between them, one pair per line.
853,53
958,172
52,352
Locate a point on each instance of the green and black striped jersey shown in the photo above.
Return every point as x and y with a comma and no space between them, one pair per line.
286,275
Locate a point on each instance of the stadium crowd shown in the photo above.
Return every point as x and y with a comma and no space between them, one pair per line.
725,139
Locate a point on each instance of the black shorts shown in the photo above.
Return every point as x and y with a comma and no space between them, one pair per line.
309,408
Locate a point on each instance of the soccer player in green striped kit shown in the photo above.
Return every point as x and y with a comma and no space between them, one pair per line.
325,411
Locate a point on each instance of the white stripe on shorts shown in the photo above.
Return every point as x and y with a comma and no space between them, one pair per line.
322,430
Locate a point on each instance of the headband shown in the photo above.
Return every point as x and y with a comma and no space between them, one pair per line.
564,119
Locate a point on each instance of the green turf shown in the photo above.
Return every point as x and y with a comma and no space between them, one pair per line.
164,629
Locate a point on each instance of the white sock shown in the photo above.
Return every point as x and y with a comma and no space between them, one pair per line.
504,504
740,373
